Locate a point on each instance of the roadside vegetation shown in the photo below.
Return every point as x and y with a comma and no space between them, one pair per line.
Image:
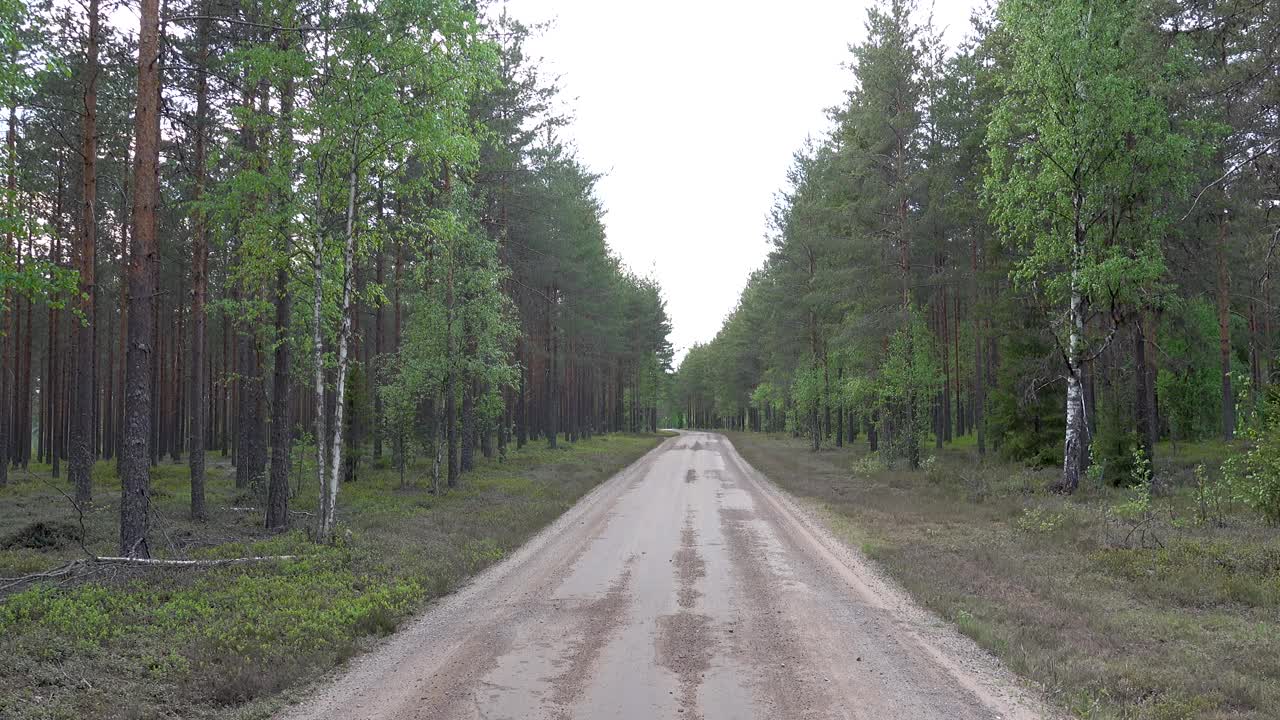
1119,605
115,641
1020,308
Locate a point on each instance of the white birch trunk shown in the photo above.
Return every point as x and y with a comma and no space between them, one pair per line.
325,523
1073,445
344,336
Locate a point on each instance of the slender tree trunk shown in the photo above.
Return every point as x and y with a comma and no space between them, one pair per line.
157,365
6,330
1256,379
1145,387
329,496
122,334
135,489
979,366
399,272
1224,334
54,331
553,390
947,374
485,430
522,418
451,429
24,438
249,458
179,388
199,275
826,396
80,469
227,385
277,516
325,521
468,458
281,406
839,409
378,350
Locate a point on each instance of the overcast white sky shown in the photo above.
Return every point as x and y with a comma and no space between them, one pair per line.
693,110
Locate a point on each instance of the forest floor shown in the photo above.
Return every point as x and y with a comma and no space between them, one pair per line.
117,642
1116,610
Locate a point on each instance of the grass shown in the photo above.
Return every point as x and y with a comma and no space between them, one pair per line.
1118,612
225,642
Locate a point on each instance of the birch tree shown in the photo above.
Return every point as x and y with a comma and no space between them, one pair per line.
1081,154
392,82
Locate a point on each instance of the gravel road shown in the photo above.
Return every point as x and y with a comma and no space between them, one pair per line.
687,586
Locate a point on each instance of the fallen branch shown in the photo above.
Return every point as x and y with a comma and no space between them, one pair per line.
137,562
56,572
157,562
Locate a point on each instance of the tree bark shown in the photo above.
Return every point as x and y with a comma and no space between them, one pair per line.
522,420
1224,334
553,391
135,489
6,331
1074,441
378,349
80,469
24,437
467,461
277,515
945,405
324,523
1145,387
979,366
329,495
250,460
199,276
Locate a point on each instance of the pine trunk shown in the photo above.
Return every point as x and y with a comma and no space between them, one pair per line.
80,470
135,476
6,330
199,277
281,386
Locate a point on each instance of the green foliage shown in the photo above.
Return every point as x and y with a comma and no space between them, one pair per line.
1082,149
908,379
1136,512
1084,166
1198,573
1188,382
1115,443
1254,475
1024,410
807,391
1212,494
1038,520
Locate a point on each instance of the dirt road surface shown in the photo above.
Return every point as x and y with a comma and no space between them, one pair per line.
687,586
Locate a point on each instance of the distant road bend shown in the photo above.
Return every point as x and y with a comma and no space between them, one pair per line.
687,586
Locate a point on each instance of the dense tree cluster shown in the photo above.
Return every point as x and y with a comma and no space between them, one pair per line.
1060,237
252,227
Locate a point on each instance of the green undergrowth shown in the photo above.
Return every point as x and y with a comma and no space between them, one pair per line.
1119,606
225,641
